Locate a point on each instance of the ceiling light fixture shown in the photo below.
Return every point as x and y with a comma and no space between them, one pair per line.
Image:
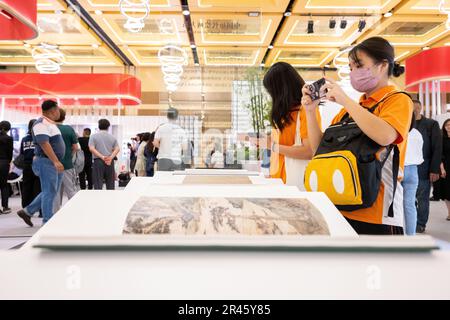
388,14
26,45
332,24
95,46
186,12
270,47
287,14
48,58
134,24
310,27
426,48
172,58
193,46
341,62
98,12
253,14
361,25
343,24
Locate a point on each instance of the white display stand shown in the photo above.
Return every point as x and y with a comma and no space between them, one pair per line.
141,184
208,275
223,275
103,213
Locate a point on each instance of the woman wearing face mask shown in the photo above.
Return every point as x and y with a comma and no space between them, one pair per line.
288,119
372,63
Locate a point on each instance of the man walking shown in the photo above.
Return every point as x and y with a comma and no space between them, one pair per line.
87,170
69,185
104,148
47,164
429,170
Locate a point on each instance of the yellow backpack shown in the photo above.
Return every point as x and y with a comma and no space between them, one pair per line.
345,166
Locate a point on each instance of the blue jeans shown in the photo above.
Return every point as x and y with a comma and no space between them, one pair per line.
423,202
50,184
410,183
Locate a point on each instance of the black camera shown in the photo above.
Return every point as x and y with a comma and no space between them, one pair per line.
315,87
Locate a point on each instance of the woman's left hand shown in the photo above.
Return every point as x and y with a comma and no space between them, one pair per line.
335,92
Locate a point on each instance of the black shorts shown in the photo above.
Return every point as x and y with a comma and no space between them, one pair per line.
374,229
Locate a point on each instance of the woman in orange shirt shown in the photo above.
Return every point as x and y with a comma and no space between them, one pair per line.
372,63
284,85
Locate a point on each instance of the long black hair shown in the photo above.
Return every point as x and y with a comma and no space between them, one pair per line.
145,136
30,125
150,148
444,132
379,49
284,85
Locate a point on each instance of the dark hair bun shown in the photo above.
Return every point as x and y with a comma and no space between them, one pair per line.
398,70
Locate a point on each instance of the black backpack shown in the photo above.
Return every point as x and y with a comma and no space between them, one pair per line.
345,166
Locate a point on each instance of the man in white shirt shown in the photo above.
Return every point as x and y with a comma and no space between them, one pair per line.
171,140
413,158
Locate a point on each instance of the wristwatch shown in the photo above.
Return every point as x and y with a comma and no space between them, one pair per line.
274,147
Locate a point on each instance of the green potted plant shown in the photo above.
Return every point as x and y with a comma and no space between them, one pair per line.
259,106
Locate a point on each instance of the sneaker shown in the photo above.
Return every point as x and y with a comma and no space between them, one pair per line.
6,210
25,217
420,229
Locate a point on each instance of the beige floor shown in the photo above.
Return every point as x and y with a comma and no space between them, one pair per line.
14,232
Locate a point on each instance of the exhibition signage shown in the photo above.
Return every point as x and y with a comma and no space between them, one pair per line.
18,19
70,88
429,65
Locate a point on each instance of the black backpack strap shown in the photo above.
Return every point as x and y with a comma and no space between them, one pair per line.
346,117
372,109
395,169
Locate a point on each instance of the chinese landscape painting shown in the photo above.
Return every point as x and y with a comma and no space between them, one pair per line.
224,216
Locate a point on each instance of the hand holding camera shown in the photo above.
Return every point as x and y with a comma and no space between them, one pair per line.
323,88
316,89
335,93
307,102
312,93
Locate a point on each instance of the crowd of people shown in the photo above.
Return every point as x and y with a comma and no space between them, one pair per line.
55,162
393,154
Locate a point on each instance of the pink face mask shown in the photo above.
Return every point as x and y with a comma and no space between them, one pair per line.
363,80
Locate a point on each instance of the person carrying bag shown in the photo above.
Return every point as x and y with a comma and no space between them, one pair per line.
360,158
295,168
289,141
346,167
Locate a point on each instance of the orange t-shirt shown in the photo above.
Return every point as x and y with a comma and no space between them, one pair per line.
287,138
397,111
